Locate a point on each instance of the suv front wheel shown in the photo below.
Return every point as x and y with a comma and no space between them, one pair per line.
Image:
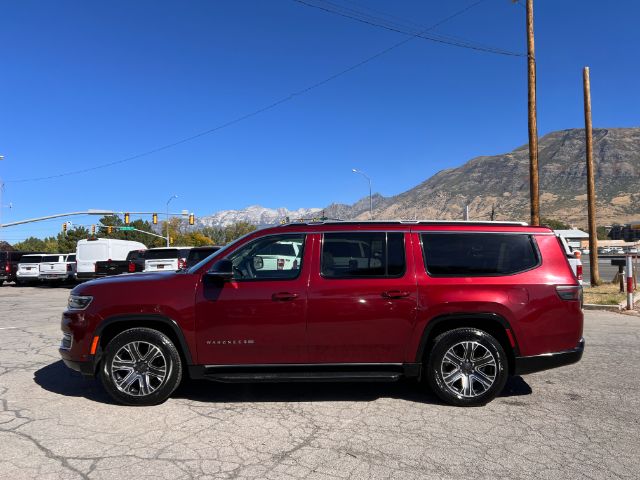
141,366
467,367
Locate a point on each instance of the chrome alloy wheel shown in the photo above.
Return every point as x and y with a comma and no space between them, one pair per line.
468,369
138,369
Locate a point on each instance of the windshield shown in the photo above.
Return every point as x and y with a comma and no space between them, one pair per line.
222,251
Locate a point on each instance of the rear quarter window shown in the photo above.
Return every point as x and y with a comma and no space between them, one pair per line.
478,254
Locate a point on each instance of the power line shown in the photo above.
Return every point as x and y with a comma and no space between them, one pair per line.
255,112
363,17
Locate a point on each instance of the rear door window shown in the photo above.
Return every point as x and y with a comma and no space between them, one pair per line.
51,258
363,254
478,254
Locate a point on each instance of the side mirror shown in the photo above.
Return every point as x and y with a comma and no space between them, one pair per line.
221,270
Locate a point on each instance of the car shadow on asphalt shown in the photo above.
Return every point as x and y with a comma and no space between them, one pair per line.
59,379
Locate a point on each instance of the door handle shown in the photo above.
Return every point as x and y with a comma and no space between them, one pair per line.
283,296
395,294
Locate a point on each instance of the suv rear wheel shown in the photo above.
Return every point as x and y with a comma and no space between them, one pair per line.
466,367
141,366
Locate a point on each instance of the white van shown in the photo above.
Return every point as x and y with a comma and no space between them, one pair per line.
95,250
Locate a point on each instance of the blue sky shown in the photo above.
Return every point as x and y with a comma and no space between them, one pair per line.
88,83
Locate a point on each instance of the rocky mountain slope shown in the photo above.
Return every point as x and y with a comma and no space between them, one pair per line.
256,215
501,182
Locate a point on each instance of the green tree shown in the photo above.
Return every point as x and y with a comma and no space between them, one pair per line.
554,224
67,243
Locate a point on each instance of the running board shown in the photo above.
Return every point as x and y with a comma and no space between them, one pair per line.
304,373
303,377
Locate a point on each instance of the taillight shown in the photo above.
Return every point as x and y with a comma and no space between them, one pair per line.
69,269
579,271
132,267
569,292
281,264
182,263
7,268
295,264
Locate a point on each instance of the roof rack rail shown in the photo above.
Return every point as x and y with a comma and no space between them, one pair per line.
332,221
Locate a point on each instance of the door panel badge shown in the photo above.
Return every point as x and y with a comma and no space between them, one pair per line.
242,341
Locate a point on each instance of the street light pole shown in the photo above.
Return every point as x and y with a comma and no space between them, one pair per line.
355,170
167,222
1,199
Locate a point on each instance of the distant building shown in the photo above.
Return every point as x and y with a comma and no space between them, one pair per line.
575,238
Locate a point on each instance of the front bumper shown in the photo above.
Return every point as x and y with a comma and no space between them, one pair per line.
546,361
85,368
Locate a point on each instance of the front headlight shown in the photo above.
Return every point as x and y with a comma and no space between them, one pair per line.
79,302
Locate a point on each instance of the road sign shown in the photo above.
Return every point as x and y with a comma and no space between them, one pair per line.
127,228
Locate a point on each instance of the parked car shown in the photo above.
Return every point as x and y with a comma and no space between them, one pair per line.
29,268
57,268
573,258
456,306
197,254
93,250
586,251
133,263
9,265
632,250
166,259
617,251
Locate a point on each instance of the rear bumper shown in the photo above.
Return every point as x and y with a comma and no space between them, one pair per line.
85,275
546,361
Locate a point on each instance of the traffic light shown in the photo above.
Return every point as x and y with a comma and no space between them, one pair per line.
170,240
64,227
126,219
93,230
109,229
192,219
155,218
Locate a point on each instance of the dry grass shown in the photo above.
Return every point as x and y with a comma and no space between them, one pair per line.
605,294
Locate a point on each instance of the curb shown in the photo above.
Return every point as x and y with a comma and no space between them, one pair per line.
606,308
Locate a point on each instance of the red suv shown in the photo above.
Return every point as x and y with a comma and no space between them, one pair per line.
458,306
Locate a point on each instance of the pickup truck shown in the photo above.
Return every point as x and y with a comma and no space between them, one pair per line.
133,263
57,267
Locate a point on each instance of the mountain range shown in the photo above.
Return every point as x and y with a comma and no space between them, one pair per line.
500,183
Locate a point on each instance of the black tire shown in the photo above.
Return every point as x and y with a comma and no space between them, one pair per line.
463,380
146,388
1,283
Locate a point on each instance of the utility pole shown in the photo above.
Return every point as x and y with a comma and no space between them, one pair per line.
591,188
533,122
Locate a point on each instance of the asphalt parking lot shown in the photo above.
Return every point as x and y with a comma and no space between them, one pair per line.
580,421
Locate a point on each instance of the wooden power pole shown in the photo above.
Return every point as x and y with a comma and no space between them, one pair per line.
591,188
533,122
